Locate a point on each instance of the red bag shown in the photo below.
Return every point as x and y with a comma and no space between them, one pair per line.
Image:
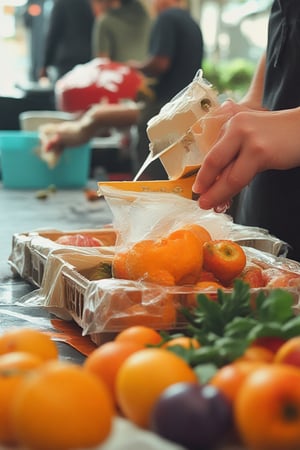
96,81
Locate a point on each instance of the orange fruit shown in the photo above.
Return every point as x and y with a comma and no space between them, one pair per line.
119,269
106,360
257,353
284,280
174,260
139,334
143,377
201,232
208,288
226,259
212,285
136,304
253,275
267,408
28,340
183,341
62,406
229,378
289,352
206,276
13,368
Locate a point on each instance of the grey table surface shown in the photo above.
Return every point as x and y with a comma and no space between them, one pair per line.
21,211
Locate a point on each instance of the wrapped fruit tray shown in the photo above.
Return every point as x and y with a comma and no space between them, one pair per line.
30,250
70,287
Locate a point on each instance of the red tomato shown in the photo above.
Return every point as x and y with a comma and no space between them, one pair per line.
79,240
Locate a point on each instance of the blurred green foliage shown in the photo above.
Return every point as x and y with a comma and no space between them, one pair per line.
231,77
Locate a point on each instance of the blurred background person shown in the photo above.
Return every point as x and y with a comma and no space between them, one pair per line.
36,16
175,55
122,32
69,37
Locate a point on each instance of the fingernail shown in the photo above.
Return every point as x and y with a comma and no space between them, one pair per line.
223,207
204,204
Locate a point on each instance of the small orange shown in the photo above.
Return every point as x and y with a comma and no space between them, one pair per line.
163,316
143,377
284,280
201,232
106,360
289,352
207,276
30,340
183,341
134,305
173,260
208,288
62,406
229,378
139,334
119,269
212,285
267,408
253,275
13,368
257,353
226,259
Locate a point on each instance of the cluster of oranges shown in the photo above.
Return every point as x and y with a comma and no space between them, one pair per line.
52,404
188,255
47,403
261,387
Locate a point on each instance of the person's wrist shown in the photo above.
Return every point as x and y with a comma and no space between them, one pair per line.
86,127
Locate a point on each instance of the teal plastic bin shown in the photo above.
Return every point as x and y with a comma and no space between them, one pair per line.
21,168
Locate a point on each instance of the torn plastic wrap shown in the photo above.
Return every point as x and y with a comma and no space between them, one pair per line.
178,115
153,215
169,130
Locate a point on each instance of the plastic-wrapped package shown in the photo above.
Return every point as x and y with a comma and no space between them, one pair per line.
30,250
180,113
170,132
99,80
152,215
109,305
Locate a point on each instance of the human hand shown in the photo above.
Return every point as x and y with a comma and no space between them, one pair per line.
57,136
249,142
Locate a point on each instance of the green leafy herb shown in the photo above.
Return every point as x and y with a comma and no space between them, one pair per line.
226,327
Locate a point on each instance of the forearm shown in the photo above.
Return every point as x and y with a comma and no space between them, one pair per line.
56,137
108,115
253,98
